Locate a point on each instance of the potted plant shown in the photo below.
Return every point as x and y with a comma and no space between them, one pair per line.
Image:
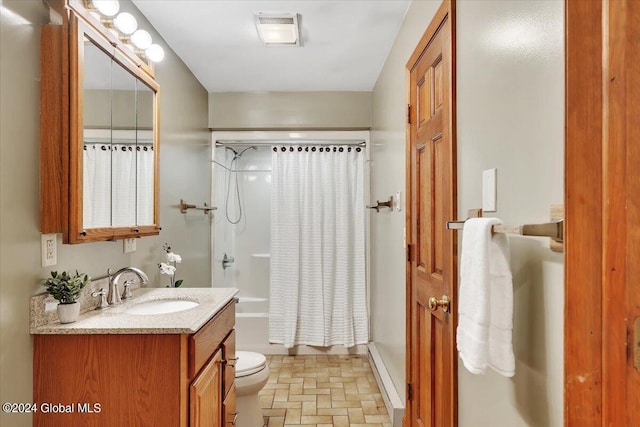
66,289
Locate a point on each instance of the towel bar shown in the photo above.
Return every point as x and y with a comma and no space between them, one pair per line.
555,229
379,205
184,207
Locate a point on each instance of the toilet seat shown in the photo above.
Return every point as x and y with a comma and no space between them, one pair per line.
249,363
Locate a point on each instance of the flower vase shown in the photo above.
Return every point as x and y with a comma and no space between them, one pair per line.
68,313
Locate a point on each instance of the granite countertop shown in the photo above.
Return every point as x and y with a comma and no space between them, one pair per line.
115,320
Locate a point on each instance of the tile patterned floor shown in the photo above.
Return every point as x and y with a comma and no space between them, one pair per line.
322,391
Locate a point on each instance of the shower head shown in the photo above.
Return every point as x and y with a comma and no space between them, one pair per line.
253,147
235,153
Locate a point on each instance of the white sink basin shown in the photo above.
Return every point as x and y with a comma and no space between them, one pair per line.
161,306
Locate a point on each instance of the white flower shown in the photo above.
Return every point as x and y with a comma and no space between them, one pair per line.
167,269
171,257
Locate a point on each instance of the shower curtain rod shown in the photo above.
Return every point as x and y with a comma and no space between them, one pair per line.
122,142
268,143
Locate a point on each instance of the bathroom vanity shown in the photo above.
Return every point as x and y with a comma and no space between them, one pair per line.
115,368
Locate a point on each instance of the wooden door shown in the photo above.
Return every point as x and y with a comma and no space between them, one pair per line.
205,395
432,263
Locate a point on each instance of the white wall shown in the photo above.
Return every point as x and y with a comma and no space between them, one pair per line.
510,74
184,156
511,116
290,110
387,177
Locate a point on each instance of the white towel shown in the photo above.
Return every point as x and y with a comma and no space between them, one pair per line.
485,302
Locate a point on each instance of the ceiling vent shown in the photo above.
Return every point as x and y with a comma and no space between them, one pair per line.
278,29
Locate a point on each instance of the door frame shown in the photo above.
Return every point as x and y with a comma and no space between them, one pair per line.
598,133
446,11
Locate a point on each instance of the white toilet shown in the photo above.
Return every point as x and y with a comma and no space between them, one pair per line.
252,373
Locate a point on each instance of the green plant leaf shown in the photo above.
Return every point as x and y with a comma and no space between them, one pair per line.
66,288
178,283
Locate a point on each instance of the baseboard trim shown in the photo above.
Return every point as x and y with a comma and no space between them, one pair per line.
390,395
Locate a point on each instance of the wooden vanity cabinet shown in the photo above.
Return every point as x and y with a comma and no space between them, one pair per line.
136,379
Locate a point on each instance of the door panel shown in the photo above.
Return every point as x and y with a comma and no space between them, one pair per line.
431,194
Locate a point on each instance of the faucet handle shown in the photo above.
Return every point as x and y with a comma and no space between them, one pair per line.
127,292
102,293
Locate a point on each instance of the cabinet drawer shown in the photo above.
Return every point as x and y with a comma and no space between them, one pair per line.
229,358
229,409
203,343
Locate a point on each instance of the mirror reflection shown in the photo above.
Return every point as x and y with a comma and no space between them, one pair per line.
118,160
145,177
123,145
96,183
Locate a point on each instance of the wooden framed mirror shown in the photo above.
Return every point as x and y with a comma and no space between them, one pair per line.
99,127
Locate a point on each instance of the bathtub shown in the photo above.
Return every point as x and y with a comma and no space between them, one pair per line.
252,332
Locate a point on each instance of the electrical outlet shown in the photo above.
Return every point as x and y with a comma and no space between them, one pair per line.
129,245
49,249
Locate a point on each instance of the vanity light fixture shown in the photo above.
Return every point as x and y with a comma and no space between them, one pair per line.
126,23
278,29
105,7
155,53
141,39
124,26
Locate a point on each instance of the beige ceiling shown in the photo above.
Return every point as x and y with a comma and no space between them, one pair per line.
344,43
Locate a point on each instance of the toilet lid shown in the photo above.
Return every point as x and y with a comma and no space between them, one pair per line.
249,363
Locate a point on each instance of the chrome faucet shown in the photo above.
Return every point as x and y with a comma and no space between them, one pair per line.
114,296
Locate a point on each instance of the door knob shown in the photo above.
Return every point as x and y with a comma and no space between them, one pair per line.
434,303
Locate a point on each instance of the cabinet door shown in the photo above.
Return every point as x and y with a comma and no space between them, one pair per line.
229,356
229,408
205,395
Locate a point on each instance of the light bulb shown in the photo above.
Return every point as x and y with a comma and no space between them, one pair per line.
106,7
126,23
155,53
141,39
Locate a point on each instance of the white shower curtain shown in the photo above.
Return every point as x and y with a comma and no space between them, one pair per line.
145,186
123,179
117,184
318,288
96,186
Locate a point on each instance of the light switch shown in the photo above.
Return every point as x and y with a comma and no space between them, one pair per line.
489,190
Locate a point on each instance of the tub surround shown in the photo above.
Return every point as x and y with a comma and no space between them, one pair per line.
115,320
